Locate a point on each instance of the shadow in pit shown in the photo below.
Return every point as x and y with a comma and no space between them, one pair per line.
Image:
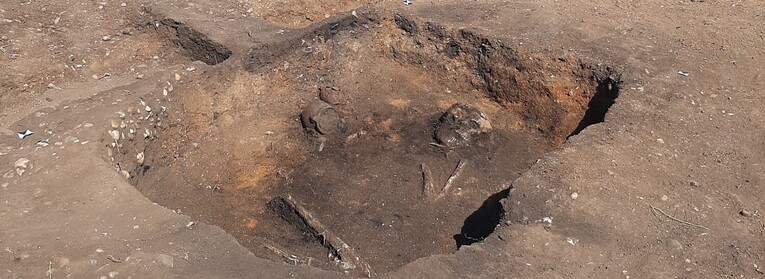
481,223
605,96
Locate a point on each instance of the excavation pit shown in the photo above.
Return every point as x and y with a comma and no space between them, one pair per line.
389,187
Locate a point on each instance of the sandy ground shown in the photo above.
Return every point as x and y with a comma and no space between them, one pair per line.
669,186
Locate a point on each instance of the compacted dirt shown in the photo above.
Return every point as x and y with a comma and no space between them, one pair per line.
314,138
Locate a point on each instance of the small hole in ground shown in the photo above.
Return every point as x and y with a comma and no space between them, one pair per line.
482,222
605,95
376,157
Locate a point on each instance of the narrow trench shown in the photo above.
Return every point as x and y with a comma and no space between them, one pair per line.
192,43
360,192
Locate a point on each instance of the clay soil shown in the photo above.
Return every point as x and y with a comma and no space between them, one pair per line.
168,136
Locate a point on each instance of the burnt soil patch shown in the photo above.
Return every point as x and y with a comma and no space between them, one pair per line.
367,180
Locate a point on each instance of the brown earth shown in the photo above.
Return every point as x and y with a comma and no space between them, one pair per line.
205,100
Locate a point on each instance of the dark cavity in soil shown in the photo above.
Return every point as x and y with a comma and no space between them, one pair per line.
373,142
192,43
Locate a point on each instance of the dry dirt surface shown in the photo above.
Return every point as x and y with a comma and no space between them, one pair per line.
414,139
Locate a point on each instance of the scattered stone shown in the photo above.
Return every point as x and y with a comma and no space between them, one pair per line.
574,195
139,158
664,198
5,185
125,174
191,69
572,241
177,77
113,274
146,133
693,183
660,141
127,31
745,213
21,163
115,135
461,125
115,125
148,109
121,115
106,38
87,125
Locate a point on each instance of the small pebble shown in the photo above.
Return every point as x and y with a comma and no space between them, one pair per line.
694,183
148,109
674,244
745,213
660,140
125,174
177,77
114,134
113,274
140,158
115,125
574,195
664,198
21,163
106,38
